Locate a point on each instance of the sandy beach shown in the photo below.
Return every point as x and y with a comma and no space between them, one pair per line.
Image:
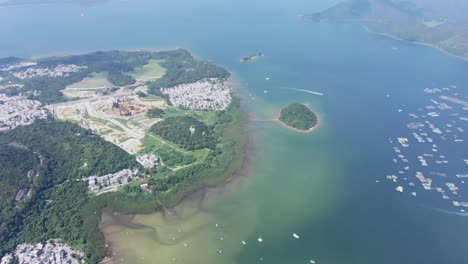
278,121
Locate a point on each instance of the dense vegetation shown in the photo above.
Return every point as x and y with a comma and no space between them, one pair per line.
9,60
185,131
15,164
155,113
120,79
184,68
59,152
60,206
141,94
181,67
298,116
225,158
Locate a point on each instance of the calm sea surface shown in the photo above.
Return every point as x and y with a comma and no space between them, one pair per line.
322,185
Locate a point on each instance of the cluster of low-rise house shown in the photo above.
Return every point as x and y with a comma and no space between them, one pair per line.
9,67
211,94
111,181
10,85
19,111
145,187
58,71
148,161
51,252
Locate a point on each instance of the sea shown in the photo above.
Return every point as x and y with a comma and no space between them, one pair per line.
327,197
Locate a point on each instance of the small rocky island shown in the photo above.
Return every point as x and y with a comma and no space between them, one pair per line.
252,57
298,117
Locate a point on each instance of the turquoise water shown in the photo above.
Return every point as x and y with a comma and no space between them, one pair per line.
320,185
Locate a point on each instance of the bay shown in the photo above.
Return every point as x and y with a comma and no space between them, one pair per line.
322,185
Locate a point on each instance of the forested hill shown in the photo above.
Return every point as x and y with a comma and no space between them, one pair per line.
42,161
298,116
411,20
187,132
180,67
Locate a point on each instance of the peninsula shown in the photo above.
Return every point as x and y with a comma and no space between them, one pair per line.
128,131
432,23
298,117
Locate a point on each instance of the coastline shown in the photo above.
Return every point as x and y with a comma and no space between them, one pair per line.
231,176
388,35
316,126
75,53
281,123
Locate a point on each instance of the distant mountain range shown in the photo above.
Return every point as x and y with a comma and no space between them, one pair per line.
442,24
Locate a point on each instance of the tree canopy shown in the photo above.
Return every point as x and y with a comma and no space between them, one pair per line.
186,131
44,159
298,116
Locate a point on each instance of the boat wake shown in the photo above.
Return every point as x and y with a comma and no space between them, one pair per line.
305,91
450,212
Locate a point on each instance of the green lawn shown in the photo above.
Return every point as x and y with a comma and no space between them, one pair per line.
150,98
97,80
152,70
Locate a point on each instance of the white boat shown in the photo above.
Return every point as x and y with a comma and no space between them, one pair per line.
296,236
260,239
